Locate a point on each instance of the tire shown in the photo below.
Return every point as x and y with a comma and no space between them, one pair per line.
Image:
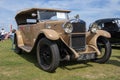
103,44
17,49
48,56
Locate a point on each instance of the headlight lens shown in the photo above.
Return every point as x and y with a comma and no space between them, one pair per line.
94,28
68,27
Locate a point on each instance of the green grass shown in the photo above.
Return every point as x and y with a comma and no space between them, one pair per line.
24,67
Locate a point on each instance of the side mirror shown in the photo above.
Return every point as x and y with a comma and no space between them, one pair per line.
33,14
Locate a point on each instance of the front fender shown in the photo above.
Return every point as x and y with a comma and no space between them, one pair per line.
103,33
50,34
92,37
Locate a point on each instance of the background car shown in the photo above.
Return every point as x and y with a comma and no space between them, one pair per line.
112,25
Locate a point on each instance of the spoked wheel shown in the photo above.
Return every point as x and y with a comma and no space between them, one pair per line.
48,55
17,49
104,47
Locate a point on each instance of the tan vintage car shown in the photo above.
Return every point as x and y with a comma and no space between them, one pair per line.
56,38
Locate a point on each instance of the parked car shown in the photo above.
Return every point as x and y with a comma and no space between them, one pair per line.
112,25
57,38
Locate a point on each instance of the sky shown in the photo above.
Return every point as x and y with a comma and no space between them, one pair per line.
88,10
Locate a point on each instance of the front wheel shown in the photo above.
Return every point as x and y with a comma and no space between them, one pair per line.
104,47
48,55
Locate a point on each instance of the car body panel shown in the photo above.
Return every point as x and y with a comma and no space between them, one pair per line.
19,38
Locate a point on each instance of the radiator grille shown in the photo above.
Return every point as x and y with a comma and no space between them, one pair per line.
78,27
78,41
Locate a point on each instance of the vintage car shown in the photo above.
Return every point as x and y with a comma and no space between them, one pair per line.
55,38
112,25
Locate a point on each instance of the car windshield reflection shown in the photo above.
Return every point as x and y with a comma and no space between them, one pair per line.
49,15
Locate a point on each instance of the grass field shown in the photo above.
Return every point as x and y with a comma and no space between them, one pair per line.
24,67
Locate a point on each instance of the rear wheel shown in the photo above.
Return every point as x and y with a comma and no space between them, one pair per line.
105,49
48,55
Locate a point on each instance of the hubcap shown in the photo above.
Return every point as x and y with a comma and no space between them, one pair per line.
45,55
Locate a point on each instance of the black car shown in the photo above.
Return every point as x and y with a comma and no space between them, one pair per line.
0,36
112,25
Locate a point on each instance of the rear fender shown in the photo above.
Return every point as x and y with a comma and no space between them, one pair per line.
19,38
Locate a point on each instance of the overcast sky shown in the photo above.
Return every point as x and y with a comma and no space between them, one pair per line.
89,10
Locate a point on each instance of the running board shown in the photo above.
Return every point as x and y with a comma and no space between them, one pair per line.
26,48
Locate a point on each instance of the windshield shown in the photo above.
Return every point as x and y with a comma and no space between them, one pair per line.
50,15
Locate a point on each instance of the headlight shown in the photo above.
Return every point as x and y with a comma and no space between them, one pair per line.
94,28
68,27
